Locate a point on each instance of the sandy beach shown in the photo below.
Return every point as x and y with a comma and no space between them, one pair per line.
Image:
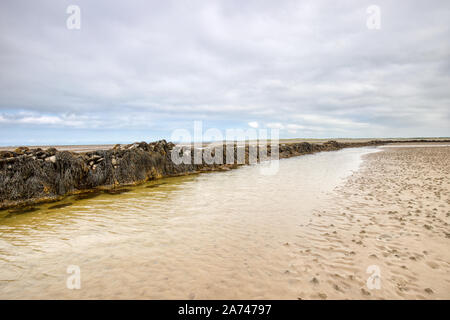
186,238
393,213
254,154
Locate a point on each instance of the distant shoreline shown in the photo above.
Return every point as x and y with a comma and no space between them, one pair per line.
94,147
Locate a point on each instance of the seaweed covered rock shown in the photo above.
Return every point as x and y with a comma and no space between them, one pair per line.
35,174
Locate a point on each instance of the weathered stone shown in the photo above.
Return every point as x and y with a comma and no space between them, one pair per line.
20,150
94,157
6,154
51,151
51,159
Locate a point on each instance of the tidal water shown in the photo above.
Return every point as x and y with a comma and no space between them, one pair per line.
213,235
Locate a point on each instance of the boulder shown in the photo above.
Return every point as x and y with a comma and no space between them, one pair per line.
51,151
51,159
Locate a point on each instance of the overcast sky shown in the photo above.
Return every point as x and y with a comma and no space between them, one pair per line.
137,70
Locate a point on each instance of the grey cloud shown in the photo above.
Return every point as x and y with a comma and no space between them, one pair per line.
311,66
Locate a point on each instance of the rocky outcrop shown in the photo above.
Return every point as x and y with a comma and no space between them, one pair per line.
34,175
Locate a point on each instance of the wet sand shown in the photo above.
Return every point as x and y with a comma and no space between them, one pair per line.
393,213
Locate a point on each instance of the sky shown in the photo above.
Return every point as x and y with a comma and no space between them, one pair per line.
139,70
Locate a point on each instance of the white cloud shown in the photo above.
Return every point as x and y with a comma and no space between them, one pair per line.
28,119
253,124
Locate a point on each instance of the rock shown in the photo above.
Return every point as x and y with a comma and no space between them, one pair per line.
95,158
51,159
51,151
332,143
6,154
40,154
143,145
21,150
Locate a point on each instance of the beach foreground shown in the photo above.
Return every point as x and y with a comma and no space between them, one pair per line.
394,214
313,231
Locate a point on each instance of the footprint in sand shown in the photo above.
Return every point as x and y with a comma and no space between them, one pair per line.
384,237
433,265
